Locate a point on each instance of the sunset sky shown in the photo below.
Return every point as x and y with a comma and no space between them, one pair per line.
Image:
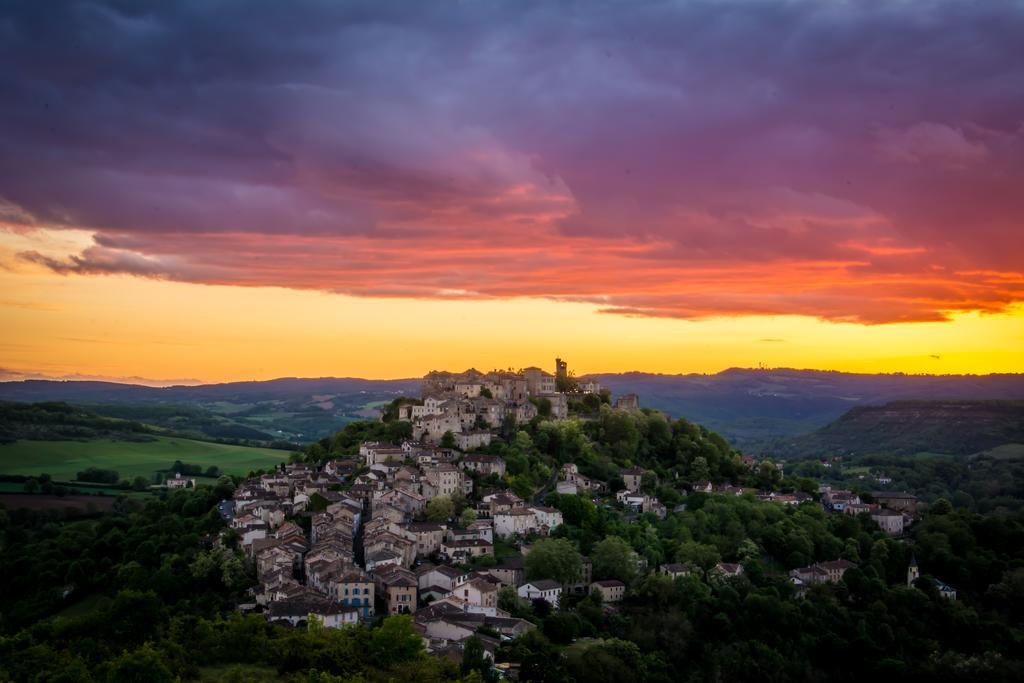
212,191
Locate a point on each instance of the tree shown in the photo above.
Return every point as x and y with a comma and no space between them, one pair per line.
543,406
396,641
553,558
31,486
700,555
613,558
143,664
467,517
140,483
473,659
440,509
448,440
699,470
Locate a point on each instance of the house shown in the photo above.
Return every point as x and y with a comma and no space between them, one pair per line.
945,590
890,521
398,588
484,464
539,382
467,441
355,588
445,478
632,477
428,537
822,572
548,590
838,501
466,550
298,611
447,621
515,522
627,402
611,590
383,558
509,571
675,569
483,528
501,501
478,594
180,483
438,578
896,500
727,569
374,453
547,518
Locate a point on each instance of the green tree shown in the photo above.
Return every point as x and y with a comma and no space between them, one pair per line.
699,469
613,558
473,659
448,440
700,555
144,665
467,517
553,558
440,509
396,641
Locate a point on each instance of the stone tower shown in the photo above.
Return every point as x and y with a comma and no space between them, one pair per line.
561,369
913,571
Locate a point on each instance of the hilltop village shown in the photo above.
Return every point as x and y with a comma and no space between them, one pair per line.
428,526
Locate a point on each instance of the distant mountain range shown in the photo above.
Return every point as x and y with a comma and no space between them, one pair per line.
753,408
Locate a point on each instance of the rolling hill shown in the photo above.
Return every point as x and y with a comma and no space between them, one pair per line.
912,427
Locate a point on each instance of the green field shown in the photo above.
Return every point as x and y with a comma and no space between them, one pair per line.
63,459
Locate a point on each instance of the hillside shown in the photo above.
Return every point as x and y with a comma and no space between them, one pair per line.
909,427
61,421
292,409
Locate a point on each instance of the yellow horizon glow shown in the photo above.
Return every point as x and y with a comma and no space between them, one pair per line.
127,327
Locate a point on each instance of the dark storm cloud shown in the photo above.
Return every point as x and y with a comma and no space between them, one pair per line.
872,150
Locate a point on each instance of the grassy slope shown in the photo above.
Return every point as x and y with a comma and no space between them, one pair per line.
63,459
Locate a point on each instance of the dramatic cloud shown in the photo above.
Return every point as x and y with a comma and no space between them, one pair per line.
850,161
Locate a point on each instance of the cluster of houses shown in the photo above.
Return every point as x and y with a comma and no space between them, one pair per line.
470,404
891,510
369,549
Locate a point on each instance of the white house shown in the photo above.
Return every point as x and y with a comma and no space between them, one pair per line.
542,589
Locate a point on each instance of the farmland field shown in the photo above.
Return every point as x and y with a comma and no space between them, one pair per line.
63,459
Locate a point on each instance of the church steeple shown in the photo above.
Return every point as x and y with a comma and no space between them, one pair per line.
913,571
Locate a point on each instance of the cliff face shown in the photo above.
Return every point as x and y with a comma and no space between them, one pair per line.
907,427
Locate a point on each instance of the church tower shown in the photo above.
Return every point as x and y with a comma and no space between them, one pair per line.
912,572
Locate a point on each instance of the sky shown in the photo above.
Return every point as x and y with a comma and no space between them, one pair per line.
214,191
